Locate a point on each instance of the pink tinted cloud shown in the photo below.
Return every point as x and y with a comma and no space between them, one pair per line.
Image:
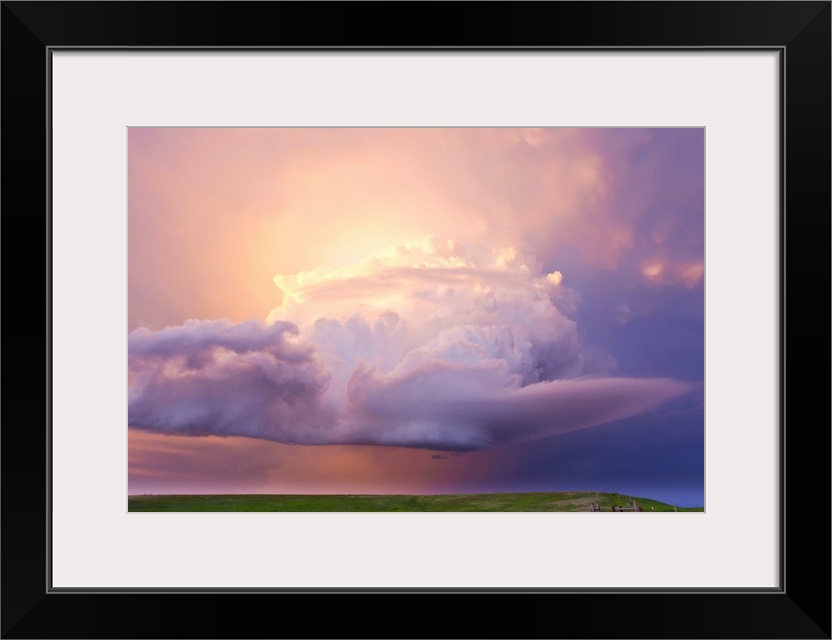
215,378
435,344
215,213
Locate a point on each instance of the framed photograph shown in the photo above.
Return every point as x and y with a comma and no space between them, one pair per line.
519,268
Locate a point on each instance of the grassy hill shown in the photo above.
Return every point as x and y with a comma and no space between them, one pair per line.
479,502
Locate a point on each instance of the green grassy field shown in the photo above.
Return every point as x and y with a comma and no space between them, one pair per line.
480,502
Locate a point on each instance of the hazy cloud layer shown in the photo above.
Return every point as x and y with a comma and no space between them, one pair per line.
215,213
432,344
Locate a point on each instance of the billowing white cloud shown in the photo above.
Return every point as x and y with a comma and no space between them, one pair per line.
432,344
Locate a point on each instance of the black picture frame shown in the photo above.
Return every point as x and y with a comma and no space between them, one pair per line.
799,31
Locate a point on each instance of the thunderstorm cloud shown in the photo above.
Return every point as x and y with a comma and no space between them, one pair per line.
433,344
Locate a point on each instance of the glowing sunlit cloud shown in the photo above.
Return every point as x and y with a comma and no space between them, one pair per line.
432,344
674,274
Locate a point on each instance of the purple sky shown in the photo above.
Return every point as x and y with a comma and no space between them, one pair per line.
417,310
